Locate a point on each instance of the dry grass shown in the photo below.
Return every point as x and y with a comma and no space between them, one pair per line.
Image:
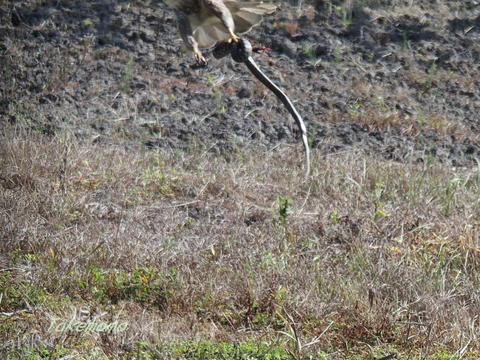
367,258
370,254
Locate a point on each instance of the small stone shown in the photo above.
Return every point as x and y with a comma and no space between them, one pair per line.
244,93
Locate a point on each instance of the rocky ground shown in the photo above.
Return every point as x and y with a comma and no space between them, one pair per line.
390,78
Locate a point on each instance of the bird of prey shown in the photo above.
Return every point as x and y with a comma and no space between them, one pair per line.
202,23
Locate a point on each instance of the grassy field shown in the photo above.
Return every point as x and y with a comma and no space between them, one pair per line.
115,244
208,256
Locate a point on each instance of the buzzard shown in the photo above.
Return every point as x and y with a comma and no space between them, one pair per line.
202,23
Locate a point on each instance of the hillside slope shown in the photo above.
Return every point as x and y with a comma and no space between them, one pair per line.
397,81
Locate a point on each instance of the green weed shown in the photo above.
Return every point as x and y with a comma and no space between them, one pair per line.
143,285
127,77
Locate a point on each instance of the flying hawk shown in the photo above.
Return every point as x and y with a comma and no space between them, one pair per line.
202,23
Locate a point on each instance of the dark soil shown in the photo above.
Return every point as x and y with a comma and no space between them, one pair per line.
401,82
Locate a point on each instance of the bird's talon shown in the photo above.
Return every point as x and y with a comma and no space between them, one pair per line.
200,59
234,39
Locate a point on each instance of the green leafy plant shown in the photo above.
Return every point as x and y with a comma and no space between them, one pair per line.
309,51
127,76
39,352
219,104
219,351
355,109
405,42
284,206
143,285
432,73
334,218
344,15
377,195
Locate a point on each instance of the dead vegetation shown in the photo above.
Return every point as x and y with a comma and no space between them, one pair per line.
128,193
190,245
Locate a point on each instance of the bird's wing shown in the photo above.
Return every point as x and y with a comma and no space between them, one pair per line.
208,31
248,14
208,35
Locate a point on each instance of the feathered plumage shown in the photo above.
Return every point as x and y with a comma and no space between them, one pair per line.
202,23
